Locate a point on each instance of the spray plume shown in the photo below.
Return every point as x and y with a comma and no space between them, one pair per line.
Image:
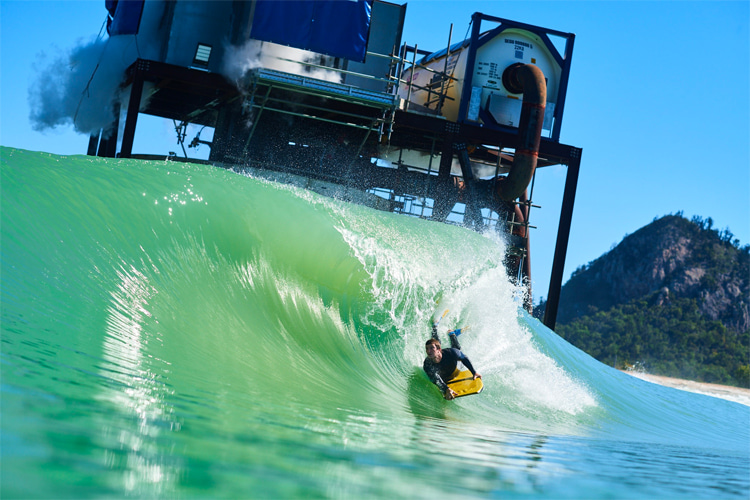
79,87
254,54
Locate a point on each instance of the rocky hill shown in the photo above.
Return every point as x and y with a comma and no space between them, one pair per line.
673,296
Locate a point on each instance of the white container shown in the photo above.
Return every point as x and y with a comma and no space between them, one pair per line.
489,101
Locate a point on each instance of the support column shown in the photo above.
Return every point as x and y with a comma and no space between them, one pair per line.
93,143
108,143
473,214
563,236
443,199
134,104
446,160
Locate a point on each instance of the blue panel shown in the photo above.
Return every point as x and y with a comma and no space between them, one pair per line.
334,27
285,23
125,16
341,28
111,6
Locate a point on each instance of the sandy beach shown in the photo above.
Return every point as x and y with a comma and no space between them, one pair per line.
730,393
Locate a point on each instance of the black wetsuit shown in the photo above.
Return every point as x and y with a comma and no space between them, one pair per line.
440,372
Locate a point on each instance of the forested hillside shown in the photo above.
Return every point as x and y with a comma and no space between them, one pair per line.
671,298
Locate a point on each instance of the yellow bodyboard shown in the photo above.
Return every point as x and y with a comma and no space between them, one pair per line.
464,384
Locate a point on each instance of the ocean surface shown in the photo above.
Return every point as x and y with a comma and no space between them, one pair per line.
174,330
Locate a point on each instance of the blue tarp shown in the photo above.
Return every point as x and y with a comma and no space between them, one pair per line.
124,16
333,27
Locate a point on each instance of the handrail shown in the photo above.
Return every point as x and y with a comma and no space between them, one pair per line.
319,108
443,89
337,70
408,93
441,92
353,92
319,118
389,80
426,89
430,70
393,58
393,82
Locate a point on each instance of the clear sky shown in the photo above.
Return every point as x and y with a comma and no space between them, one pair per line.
658,99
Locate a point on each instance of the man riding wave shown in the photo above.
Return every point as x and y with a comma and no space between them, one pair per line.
441,364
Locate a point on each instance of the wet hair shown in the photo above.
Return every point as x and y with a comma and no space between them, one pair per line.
432,341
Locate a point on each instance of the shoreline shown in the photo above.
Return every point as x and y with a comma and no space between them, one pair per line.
728,392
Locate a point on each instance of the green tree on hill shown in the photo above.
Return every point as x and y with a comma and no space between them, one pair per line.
672,297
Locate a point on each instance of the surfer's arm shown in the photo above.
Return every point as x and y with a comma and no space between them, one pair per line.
448,393
465,360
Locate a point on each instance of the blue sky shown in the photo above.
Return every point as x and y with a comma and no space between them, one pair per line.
658,99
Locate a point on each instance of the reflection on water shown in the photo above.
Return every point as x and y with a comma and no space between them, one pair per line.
139,390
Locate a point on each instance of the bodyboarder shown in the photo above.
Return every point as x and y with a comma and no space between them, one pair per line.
441,364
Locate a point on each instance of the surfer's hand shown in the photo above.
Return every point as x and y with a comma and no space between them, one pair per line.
477,375
449,394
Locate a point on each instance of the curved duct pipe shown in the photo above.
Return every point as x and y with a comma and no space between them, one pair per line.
529,80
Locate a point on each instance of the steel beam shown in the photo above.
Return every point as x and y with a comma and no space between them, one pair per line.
134,104
561,247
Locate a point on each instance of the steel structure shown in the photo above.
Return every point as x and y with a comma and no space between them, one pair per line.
374,126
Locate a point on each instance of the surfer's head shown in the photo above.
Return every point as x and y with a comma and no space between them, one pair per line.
434,352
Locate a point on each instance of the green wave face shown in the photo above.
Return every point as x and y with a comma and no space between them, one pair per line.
177,329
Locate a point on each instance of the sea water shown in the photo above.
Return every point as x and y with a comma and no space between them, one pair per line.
177,330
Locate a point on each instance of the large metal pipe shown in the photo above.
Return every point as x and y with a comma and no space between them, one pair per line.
529,80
